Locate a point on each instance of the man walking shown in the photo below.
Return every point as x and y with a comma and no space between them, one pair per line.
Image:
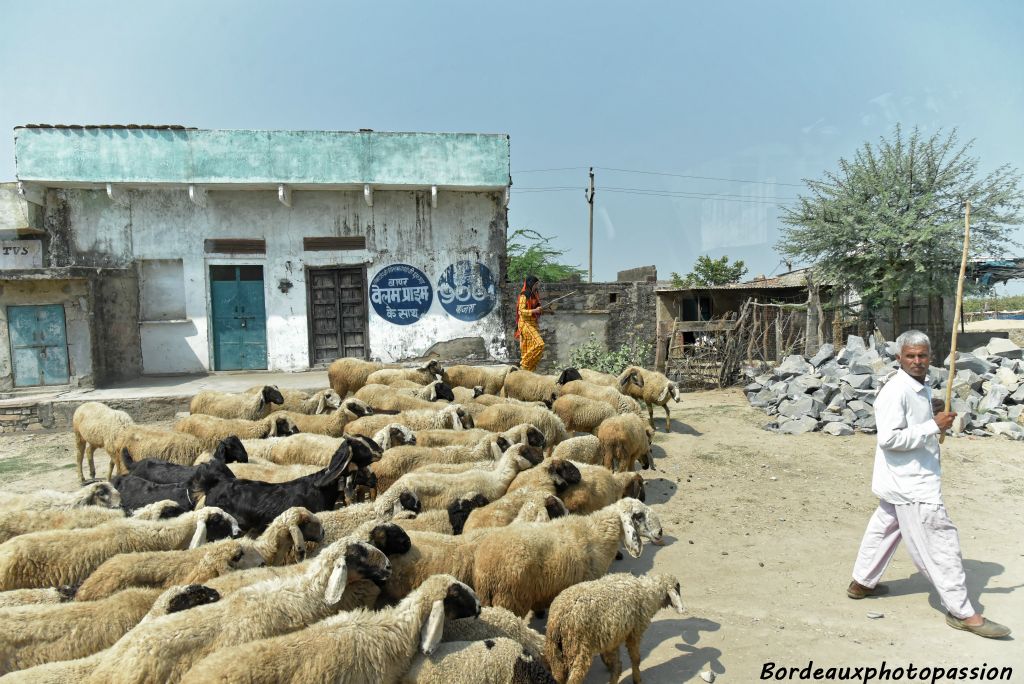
907,480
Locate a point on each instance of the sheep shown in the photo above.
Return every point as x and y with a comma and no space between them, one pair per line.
229,450
526,565
283,541
317,449
348,375
505,416
656,389
394,435
492,623
271,472
227,405
389,398
166,445
56,557
332,424
356,646
431,553
16,523
95,426
624,440
509,507
164,649
490,378
491,661
582,449
466,395
210,430
345,521
613,397
529,386
553,476
438,490
519,434
137,492
301,402
581,414
598,378
596,617
599,487
422,375
93,494
452,416
401,460
31,597
449,521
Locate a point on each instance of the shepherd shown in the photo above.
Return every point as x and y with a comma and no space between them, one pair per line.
528,309
908,482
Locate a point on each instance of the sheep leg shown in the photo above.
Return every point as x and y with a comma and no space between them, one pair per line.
580,665
80,446
668,419
650,413
633,646
613,663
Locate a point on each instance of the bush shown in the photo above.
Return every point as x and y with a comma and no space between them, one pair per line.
594,356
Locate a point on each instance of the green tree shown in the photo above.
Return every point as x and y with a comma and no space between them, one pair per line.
529,252
707,271
890,220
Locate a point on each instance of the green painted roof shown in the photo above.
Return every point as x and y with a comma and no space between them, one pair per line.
166,155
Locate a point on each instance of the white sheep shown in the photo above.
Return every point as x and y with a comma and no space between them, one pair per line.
302,448
598,616
450,416
656,390
582,449
298,401
491,661
348,375
356,646
15,523
421,375
610,395
529,502
581,414
343,522
490,378
519,434
449,521
148,442
401,460
210,430
95,426
505,416
93,494
524,566
432,553
599,487
466,395
333,424
33,597
529,386
166,648
227,405
492,623
625,439
390,398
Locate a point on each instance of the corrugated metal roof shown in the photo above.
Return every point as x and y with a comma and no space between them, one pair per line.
156,127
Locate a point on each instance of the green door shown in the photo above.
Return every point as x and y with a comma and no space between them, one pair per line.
239,318
39,345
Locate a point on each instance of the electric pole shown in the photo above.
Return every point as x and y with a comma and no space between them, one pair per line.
590,201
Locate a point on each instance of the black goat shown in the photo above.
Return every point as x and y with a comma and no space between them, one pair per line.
255,504
229,450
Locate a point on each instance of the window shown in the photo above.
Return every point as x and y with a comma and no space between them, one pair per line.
161,289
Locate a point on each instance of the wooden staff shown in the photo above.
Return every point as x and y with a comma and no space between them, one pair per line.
956,315
556,299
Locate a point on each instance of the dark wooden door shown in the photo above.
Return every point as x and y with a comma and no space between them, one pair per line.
337,314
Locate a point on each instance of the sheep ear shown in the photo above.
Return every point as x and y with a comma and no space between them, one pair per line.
430,637
321,406
630,535
676,599
199,538
298,541
336,583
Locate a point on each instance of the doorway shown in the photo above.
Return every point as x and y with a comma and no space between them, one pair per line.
239,318
39,345
337,314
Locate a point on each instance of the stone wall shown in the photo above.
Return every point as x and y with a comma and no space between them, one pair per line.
25,416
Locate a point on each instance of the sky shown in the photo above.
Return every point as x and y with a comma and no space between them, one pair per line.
700,118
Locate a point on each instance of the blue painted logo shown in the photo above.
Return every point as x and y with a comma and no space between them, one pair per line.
466,290
401,294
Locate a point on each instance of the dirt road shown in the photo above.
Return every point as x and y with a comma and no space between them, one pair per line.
762,530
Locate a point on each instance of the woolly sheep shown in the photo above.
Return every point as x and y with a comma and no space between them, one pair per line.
332,424
613,397
581,414
466,395
529,386
210,430
389,398
490,378
505,416
492,623
30,597
93,494
15,523
167,445
394,435
519,434
310,449
449,521
552,476
598,616
598,378
526,565
422,375
624,440
340,523
582,449
348,375
227,405
95,426
509,507
599,487
56,557
432,553
356,646
491,661
656,389
318,402
401,460
164,649
452,416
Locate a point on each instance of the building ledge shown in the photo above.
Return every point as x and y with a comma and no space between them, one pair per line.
59,273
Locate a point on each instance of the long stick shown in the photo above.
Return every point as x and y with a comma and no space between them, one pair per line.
556,299
956,315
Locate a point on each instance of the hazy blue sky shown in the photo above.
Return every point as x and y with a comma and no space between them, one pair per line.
770,92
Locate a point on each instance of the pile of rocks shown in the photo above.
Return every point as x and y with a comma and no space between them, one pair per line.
835,392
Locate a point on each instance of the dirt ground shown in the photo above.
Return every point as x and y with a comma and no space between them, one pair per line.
762,530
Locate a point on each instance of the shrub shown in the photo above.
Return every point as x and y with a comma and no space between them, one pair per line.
593,355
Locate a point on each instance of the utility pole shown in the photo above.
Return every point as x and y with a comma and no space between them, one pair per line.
590,201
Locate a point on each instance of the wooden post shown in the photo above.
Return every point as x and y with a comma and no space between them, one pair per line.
956,314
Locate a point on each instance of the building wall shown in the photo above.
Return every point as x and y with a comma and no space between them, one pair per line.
88,229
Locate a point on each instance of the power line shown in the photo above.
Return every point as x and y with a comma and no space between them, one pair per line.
684,175
694,196
699,192
563,168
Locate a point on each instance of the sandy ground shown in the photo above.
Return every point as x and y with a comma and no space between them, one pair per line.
762,530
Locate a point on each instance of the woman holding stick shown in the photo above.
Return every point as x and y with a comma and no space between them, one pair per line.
528,309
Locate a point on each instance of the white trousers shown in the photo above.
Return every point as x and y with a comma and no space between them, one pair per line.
933,544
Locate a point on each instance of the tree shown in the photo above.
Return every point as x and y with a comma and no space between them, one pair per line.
890,220
530,253
707,271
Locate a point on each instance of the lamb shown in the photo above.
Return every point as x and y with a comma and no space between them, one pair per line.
302,402
581,414
450,521
438,490
31,597
656,389
490,661
210,430
583,449
596,617
624,440
283,541
506,416
56,557
529,564
229,450
332,424
95,426
613,397
93,494
490,378
529,386
492,623
348,375
164,649
401,460
452,416
509,507
599,487
423,375
519,434
227,405
356,646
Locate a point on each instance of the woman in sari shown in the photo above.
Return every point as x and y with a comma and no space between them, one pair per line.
528,308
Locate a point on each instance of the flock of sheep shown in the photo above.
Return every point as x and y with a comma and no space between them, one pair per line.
401,526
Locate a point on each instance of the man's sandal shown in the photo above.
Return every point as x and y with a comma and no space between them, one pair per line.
987,628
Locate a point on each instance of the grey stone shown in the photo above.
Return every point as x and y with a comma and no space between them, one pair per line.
982,419
971,362
764,398
804,384
1014,413
825,353
1007,349
1007,378
793,365
860,408
978,433
798,426
858,381
865,362
866,423
849,416
970,378
996,396
780,388
890,349
961,423
837,429
981,351
753,387
855,343
801,407
1018,396
847,392
1011,430
764,379
830,417
960,406
837,403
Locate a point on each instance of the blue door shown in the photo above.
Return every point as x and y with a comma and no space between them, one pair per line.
39,345
239,318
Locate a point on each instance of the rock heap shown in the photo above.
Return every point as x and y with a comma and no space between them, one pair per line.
835,392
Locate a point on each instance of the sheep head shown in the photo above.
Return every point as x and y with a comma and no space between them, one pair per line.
502,444
177,599
160,510
563,473
568,375
478,390
673,592
525,456
272,395
281,425
359,561
639,522
364,450
457,601
245,557
212,524
634,487
631,376
356,407
329,400
230,450
440,390
302,526
555,508
534,437
433,367
389,538
99,494
459,510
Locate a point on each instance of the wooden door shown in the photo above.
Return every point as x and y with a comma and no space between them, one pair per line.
337,314
239,318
